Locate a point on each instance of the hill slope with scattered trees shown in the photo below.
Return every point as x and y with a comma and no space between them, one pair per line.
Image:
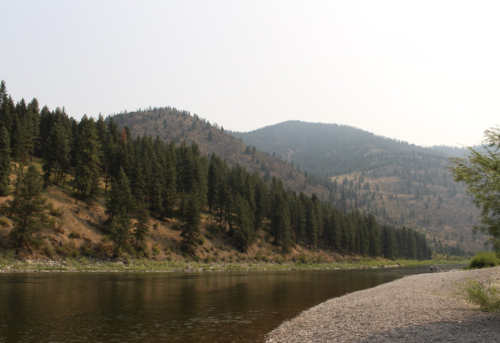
123,195
398,182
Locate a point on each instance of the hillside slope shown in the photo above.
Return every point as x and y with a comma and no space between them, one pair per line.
400,183
171,124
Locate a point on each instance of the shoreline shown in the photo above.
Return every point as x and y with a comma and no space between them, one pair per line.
416,308
148,266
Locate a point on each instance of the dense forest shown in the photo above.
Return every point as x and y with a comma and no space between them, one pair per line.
145,177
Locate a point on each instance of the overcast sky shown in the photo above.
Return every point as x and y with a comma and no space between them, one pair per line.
427,72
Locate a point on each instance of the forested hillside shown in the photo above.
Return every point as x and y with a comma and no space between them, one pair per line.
112,194
398,182
173,125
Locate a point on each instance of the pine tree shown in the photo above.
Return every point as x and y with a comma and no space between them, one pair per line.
87,169
243,234
120,197
119,207
141,229
29,212
190,228
5,167
56,154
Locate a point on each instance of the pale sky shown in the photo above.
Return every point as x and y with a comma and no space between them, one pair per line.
427,72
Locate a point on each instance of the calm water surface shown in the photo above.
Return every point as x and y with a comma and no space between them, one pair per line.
169,307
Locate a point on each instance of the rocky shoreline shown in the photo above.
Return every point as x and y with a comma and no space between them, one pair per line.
417,308
109,266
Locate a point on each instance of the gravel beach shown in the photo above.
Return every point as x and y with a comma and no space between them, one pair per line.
418,308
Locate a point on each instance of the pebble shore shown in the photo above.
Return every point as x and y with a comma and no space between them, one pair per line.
418,308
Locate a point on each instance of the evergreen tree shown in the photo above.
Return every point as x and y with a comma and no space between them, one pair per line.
87,169
141,229
119,207
29,212
243,234
5,167
190,228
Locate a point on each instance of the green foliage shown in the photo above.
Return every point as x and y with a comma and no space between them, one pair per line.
156,250
88,159
74,235
119,207
54,211
28,210
4,222
480,171
479,293
483,260
5,166
68,249
141,229
302,258
190,228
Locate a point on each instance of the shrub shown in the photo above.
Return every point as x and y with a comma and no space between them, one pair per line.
176,226
201,240
279,259
208,259
48,251
68,249
479,293
484,259
54,211
319,259
302,258
74,234
214,229
58,227
156,250
4,222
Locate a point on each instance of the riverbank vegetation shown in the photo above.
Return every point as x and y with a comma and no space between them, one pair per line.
480,293
9,263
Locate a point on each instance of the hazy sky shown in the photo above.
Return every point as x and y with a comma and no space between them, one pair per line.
427,72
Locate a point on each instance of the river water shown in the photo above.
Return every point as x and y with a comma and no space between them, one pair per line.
169,307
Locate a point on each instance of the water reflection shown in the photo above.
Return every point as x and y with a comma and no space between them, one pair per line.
167,307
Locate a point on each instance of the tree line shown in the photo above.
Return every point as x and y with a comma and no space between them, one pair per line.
145,176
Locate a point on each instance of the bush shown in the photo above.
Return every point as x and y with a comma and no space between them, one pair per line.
302,258
4,222
481,294
48,251
279,259
54,211
58,227
156,250
484,259
176,227
68,249
214,230
74,234
201,240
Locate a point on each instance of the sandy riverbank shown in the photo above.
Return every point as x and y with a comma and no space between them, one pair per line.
418,308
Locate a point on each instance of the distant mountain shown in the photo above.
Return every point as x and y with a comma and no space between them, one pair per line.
401,183
331,149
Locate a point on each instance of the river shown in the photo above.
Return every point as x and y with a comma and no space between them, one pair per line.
169,307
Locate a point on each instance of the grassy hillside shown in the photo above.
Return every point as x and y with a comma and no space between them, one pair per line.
77,231
405,181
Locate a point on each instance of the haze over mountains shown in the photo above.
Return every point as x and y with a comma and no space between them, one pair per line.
399,182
